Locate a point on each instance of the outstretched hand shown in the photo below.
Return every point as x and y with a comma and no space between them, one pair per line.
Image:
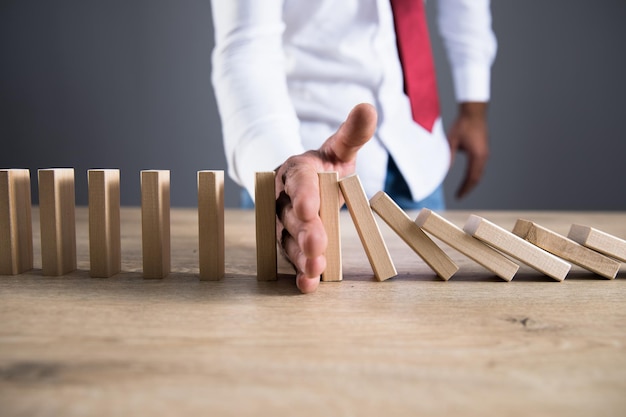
299,227
469,134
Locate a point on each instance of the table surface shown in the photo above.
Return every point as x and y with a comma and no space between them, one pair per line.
412,345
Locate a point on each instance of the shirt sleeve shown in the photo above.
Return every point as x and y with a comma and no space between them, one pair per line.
465,27
259,124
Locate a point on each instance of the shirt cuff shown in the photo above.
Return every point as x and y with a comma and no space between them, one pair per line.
472,83
263,154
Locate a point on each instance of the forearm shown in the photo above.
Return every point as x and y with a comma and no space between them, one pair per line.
259,125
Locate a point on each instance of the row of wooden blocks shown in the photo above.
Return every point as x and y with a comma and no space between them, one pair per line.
480,240
58,227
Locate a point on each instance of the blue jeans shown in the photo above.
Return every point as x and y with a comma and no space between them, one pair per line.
395,186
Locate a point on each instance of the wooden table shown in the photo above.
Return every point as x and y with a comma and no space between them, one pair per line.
413,345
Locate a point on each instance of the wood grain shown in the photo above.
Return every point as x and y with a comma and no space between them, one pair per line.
368,230
329,213
417,240
416,346
211,224
265,220
473,248
517,247
16,230
599,240
57,220
105,245
566,248
155,222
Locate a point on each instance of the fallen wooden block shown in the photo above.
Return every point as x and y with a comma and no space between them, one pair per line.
599,241
517,247
105,258
410,232
265,220
566,248
329,213
57,221
473,248
211,245
367,228
16,227
155,223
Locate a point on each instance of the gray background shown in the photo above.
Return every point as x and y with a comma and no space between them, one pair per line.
126,84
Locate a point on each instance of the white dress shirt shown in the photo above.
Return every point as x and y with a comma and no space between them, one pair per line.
286,73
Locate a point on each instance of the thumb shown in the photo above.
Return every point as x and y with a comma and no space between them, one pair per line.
355,132
454,142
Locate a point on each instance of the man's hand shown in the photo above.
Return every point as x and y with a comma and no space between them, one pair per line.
299,226
469,134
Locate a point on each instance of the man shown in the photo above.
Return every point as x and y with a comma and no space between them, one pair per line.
287,72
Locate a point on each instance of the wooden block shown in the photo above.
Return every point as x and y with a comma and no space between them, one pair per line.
367,228
155,223
473,248
105,256
265,219
329,213
517,247
211,224
57,221
599,241
16,226
402,224
566,248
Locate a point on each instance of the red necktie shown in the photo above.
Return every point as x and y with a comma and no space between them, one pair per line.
420,83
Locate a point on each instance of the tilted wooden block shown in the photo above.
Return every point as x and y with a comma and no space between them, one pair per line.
367,228
155,223
105,256
473,248
16,227
265,218
57,221
329,213
410,232
517,247
599,241
566,248
211,224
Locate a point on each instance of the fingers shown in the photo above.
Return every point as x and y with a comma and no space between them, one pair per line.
359,127
305,283
473,174
469,134
298,203
300,182
309,236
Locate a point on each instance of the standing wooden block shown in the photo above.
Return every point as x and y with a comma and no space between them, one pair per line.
155,223
265,216
104,222
599,241
329,213
57,221
211,224
517,247
402,224
566,248
367,228
16,227
474,249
